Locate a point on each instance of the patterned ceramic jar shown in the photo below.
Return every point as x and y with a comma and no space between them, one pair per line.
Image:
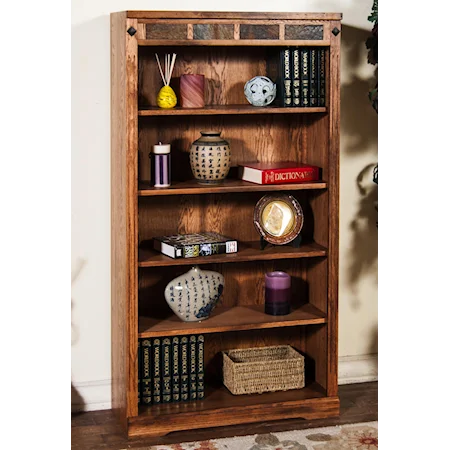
210,158
193,295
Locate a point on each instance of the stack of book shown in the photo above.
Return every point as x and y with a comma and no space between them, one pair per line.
300,76
171,369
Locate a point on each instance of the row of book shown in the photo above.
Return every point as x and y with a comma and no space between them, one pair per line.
300,76
171,369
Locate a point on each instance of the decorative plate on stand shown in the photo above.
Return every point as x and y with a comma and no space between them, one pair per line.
278,218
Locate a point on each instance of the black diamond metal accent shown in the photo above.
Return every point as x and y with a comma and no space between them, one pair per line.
131,31
335,31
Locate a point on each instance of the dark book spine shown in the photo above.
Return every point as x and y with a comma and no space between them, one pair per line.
146,372
321,77
166,372
304,77
176,369
200,367
286,76
156,352
139,359
184,369
313,91
295,77
193,367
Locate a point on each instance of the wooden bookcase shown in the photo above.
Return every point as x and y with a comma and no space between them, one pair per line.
229,49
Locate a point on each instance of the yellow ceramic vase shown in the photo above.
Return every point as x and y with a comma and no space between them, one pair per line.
166,98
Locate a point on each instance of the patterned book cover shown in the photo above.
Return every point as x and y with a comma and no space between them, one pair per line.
166,371
194,245
304,77
193,367
184,368
322,77
279,70
200,367
286,76
146,371
176,369
295,76
313,80
156,352
139,371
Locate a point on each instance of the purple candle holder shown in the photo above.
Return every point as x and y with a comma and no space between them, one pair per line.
277,293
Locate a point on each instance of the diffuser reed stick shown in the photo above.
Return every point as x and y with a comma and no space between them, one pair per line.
169,63
166,97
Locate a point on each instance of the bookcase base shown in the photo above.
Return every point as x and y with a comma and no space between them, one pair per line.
147,425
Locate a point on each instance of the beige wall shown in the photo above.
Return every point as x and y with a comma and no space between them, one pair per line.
91,180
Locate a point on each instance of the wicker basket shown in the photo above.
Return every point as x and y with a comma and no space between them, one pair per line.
263,369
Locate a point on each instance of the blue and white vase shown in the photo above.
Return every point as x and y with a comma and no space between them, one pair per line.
193,295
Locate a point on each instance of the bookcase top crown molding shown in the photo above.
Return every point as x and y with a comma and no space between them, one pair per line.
199,28
232,15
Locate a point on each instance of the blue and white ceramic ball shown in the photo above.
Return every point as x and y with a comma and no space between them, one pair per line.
193,295
260,91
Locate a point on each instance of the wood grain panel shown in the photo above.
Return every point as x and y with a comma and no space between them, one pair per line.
119,261
333,225
230,43
229,185
219,342
271,409
228,214
226,70
265,138
317,352
244,286
233,15
223,319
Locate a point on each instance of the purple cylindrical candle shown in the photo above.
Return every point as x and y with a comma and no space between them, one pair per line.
161,165
277,293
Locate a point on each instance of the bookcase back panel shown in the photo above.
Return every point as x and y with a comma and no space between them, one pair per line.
226,70
264,138
218,342
317,348
228,214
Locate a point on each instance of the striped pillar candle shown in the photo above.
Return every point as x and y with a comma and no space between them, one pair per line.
161,165
192,91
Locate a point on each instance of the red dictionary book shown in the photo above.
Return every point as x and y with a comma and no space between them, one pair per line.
278,173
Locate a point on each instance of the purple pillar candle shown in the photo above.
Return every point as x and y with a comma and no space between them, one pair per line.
192,91
277,293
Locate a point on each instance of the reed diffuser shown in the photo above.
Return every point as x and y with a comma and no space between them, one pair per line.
166,98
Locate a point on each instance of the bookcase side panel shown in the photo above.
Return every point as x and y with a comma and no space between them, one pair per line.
333,224
123,218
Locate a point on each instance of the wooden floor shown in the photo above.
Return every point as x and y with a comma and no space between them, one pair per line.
97,430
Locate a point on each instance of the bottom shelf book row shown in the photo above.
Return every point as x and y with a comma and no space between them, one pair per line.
170,369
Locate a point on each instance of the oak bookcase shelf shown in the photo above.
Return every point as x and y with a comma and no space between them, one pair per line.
229,49
247,251
237,318
225,109
228,186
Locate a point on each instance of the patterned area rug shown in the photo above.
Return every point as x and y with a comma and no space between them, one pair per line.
361,436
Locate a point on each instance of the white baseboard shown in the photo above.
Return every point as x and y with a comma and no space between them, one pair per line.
96,395
91,395
357,369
